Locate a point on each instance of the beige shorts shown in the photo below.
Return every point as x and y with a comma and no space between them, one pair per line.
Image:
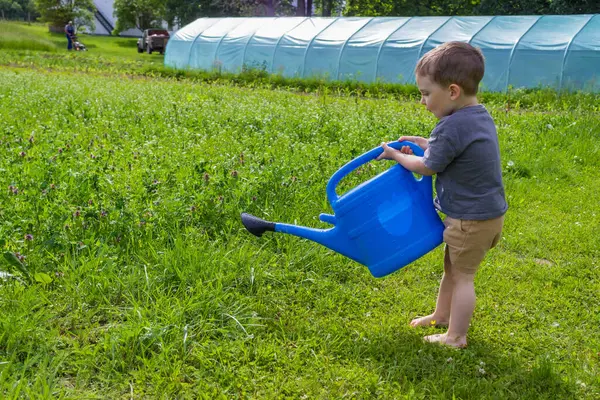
468,241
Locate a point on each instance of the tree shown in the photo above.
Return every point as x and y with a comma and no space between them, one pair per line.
538,7
304,8
327,7
12,9
140,14
575,6
178,12
466,7
58,12
5,7
268,8
182,12
29,9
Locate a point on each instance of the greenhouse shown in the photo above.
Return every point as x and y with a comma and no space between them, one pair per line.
561,52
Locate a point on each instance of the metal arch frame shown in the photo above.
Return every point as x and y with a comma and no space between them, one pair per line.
383,44
224,36
346,42
562,69
281,37
431,34
311,41
512,52
248,42
482,28
198,35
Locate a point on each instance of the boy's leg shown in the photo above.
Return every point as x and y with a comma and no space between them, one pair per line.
441,315
463,305
475,238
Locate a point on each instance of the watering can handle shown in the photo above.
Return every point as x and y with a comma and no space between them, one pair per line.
363,159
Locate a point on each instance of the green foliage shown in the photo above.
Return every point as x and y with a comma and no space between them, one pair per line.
9,8
14,261
144,284
539,7
20,37
57,12
140,14
184,12
468,7
327,8
17,9
409,8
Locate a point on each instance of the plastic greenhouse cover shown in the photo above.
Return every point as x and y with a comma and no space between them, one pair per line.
583,58
520,51
360,56
179,45
261,47
291,50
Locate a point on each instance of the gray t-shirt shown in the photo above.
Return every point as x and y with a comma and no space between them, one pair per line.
464,153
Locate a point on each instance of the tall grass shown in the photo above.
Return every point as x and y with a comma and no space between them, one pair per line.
141,282
16,36
118,56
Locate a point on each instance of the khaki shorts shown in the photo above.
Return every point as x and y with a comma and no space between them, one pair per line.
468,241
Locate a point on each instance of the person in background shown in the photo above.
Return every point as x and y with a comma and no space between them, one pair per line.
70,32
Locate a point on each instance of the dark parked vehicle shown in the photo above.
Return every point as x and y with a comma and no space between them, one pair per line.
153,40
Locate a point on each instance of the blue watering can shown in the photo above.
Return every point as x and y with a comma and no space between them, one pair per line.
384,223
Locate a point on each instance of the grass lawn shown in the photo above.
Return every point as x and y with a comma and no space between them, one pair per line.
36,36
122,198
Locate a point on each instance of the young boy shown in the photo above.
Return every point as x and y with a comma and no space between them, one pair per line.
463,151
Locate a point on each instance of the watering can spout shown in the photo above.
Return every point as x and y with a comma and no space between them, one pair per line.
331,238
257,226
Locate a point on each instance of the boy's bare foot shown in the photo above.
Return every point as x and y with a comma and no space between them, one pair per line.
429,320
457,342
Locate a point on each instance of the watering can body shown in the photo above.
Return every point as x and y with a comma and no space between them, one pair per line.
384,223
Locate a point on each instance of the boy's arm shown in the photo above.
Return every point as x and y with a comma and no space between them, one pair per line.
409,161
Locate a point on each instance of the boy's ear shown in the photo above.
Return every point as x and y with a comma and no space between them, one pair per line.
455,91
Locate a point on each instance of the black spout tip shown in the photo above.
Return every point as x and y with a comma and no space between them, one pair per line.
255,225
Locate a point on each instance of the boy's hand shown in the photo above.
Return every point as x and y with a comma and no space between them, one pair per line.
407,160
418,140
406,150
388,152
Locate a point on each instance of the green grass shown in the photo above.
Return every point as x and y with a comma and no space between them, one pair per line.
35,38
17,36
118,57
139,280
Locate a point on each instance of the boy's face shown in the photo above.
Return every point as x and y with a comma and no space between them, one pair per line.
437,99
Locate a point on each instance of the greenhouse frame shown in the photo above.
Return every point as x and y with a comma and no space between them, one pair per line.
557,51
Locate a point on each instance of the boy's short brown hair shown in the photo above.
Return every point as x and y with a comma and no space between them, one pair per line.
454,62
